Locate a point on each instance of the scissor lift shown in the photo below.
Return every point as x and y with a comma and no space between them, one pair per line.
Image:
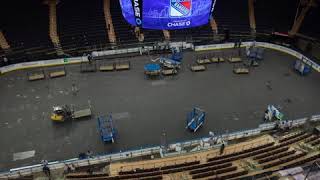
195,119
106,129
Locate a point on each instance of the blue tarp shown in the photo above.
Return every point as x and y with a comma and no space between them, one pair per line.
152,67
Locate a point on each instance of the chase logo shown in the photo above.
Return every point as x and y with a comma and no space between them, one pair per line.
180,8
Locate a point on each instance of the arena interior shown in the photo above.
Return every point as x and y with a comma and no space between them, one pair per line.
88,94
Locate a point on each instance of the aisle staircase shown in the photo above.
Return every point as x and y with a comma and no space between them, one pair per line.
139,34
53,34
3,42
252,17
109,24
214,26
166,35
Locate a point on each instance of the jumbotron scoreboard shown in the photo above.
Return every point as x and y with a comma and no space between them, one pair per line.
167,14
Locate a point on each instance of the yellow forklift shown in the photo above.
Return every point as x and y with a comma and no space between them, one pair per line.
64,113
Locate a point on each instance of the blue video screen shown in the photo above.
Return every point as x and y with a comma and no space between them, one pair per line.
167,14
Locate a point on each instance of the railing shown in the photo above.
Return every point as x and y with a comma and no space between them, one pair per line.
240,148
151,47
28,170
194,37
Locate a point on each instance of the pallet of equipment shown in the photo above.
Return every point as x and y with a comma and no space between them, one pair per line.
168,72
241,70
107,67
203,61
235,60
82,113
122,66
217,60
196,68
153,73
36,76
55,74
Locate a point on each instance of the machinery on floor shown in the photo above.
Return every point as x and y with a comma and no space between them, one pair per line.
197,68
195,119
173,61
106,128
273,113
241,69
65,113
302,68
152,70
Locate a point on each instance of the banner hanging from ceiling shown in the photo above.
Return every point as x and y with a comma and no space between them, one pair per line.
167,14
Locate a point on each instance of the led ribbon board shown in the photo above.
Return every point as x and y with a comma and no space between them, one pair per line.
167,14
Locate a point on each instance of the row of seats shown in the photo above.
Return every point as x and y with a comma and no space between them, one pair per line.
311,138
268,173
229,175
85,175
23,27
194,169
214,172
156,177
301,161
291,137
209,168
283,160
234,18
241,152
315,142
276,156
81,26
124,31
277,20
159,168
277,149
268,155
296,139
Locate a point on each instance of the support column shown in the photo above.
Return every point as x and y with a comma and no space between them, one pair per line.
3,42
109,25
53,32
252,18
166,35
306,5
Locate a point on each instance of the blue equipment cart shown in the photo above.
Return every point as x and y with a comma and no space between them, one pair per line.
195,119
152,69
176,56
302,68
174,61
106,129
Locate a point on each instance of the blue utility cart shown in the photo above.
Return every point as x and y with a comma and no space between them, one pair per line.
152,69
195,119
106,129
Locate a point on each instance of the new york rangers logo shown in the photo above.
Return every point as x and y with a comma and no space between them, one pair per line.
180,8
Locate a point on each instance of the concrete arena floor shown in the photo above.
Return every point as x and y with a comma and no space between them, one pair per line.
144,108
